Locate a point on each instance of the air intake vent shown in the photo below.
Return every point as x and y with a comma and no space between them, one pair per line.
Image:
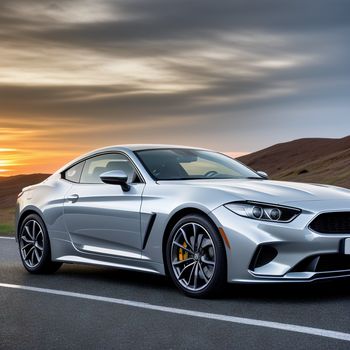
332,223
262,256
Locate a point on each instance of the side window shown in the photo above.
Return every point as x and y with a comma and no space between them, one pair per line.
73,173
98,165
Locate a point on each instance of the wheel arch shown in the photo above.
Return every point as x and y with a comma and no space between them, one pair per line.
173,220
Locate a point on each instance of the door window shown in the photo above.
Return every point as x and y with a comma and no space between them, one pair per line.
73,173
98,165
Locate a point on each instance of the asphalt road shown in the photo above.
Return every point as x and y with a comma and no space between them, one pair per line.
83,307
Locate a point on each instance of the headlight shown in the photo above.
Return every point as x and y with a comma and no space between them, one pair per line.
264,211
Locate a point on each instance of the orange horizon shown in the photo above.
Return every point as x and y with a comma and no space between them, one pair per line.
29,156
40,165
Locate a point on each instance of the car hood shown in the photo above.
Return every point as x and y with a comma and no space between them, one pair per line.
280,192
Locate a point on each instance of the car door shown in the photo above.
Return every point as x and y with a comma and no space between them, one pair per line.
102,218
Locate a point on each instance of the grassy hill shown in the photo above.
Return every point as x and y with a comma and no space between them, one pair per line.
9,189
305,160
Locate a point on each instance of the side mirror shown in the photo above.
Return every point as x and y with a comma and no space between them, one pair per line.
262,174
116,177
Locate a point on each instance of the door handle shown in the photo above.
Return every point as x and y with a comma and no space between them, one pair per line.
72,198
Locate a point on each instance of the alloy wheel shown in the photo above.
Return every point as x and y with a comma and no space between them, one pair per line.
193,256
32,243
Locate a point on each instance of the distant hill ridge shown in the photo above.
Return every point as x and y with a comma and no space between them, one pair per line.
317,160
12,185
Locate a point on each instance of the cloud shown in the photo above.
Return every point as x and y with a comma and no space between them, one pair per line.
232,75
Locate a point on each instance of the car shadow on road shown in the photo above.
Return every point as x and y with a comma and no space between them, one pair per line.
286,292
116,277
315,291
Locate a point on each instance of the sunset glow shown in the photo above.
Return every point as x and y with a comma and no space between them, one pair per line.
45,150
32,151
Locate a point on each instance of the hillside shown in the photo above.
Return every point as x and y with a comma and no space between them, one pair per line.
12,185
306,160
9,189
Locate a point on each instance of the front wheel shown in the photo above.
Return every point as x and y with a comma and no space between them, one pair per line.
196,257
34,246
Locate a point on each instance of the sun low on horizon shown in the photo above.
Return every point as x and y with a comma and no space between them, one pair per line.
27,149
16,161
43,145
29,153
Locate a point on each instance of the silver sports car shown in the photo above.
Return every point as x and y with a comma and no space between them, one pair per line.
197,215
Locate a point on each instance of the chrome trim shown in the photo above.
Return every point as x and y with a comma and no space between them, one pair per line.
108,251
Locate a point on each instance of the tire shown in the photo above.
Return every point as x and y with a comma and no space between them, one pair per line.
196,257
34,246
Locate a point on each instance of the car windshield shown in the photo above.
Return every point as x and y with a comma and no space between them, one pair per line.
187,164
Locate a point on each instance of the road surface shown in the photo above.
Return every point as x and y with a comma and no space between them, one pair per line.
84,307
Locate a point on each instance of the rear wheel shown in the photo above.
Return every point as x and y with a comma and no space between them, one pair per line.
34,246
196,257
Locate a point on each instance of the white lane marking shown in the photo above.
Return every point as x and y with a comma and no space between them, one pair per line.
233,319
2,237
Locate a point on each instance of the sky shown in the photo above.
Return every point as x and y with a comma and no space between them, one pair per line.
235,76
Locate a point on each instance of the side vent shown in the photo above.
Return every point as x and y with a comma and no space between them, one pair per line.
148,230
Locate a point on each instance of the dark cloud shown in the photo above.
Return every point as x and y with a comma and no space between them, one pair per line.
236,66
166,20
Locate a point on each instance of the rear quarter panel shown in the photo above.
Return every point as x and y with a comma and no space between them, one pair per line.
46,199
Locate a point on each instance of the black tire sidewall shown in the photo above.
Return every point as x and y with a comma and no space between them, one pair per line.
220,275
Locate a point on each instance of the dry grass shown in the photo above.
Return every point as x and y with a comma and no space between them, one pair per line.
7,222
325,161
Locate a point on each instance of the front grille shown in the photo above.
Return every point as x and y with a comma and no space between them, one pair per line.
338,222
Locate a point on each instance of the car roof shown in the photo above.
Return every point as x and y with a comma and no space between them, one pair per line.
124,148
142,147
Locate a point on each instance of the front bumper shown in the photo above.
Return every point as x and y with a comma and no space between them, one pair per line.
298,250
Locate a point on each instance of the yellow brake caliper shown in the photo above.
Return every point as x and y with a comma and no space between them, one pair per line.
183,255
